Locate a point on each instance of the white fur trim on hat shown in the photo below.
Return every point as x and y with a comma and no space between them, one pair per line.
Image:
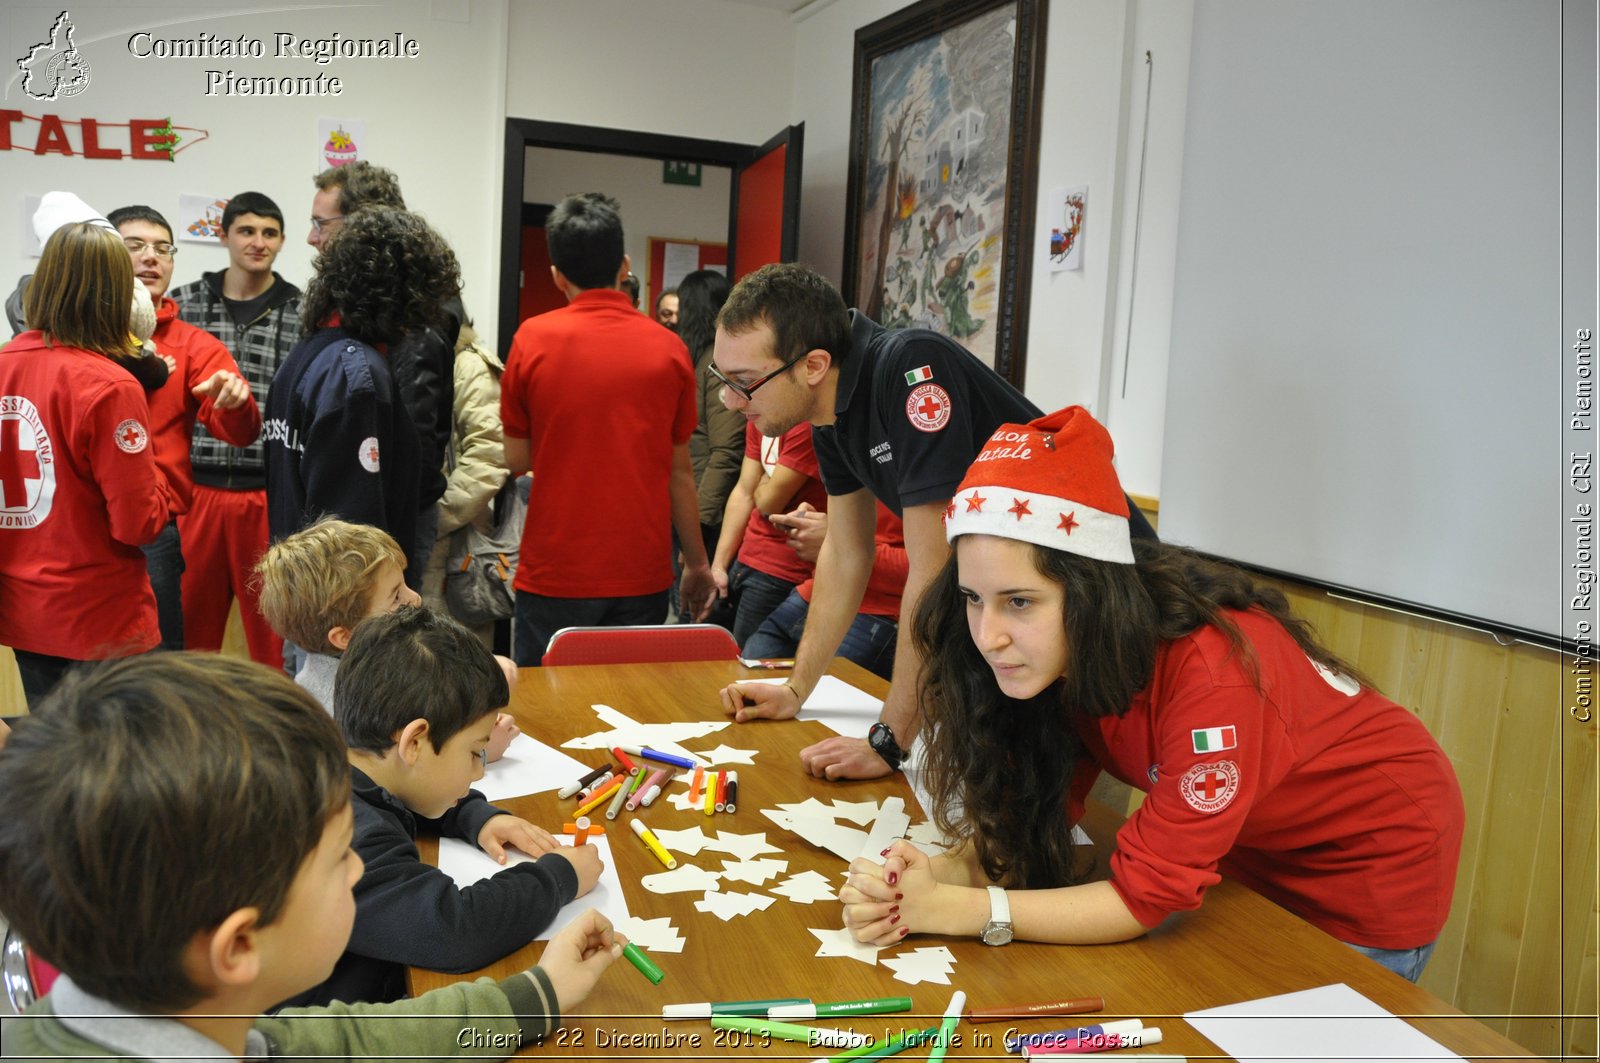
143,319
1044,520
63,208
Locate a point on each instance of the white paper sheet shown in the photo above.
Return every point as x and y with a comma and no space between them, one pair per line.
837,705
528,767
468,864
1331,1022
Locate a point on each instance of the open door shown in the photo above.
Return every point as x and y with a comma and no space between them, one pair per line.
764,224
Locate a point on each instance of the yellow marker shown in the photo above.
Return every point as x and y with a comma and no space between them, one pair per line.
602,797
649,838
711,792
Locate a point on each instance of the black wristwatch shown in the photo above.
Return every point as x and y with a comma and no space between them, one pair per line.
881,739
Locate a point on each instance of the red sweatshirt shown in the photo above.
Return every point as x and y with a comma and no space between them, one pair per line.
79,493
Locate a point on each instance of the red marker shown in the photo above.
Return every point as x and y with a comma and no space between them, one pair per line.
722,791
627,763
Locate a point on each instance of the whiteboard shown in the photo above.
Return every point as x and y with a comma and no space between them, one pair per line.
1365,377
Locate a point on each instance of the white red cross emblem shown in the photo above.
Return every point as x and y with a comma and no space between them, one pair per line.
131,436
928,408
367,453
1210,788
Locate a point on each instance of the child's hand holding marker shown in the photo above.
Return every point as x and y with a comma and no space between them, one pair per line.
883,903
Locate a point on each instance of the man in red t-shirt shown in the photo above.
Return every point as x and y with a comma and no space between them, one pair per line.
204,384
608,490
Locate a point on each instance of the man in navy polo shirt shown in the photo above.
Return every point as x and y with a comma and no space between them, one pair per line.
896,416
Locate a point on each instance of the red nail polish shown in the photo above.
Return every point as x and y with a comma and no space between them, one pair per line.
899,896
893,909
904,931
894,876
894,919
884,853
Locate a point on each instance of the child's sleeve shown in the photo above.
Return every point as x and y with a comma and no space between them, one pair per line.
465,1019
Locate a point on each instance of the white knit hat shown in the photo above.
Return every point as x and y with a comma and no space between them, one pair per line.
1051,483
62,208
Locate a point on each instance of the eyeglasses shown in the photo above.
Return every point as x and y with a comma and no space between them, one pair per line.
747,391
321,224
136,246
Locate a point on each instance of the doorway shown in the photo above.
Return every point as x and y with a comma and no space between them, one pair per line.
763,208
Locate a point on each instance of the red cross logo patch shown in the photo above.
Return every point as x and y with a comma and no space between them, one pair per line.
27,465
131,436
1210,788
928,408
367,454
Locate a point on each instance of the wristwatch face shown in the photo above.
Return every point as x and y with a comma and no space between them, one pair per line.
997,934
881,739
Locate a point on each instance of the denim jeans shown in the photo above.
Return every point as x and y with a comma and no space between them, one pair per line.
1407,963
869,642
163,557
754,595
40,673
538,617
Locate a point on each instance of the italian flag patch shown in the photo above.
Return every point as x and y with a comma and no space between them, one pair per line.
917,376
1214,739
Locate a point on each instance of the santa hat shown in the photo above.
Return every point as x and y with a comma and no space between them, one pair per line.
143,320
62,208
1050,483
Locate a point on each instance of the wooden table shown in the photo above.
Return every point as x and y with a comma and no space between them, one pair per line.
1239,946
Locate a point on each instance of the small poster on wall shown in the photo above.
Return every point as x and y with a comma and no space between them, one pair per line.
1062,227
200,218
342,141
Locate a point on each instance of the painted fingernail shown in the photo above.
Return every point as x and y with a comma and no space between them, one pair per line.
894,877
904,931
894,919
885,852
893,909
899,896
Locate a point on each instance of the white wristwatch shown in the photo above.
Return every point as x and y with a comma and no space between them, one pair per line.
997,931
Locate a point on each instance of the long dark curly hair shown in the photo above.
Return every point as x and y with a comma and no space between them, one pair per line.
999,770
385,273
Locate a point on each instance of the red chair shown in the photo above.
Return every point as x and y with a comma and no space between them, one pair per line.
641,644
27,977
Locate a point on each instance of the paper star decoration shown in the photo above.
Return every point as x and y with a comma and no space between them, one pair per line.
689,842
743,846
685,878
728,755
754,872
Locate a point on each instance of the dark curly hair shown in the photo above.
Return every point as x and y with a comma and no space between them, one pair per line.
1000,770
385,273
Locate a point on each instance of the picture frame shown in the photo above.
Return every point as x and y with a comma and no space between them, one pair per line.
943,172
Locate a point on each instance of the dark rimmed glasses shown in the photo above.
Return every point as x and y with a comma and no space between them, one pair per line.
747,391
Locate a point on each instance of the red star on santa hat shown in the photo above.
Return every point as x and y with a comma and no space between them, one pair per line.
1019,506
1067,522
975,503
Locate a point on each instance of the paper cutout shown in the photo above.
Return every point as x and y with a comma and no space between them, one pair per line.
922,965
891,823
814,822
858,812
626,731
528,767
728,755
1338,1021
744,846
842,942
754,872
656,935
807,887
727,906
467,864
685,878
689,842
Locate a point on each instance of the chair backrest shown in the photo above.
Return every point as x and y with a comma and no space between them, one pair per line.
641,644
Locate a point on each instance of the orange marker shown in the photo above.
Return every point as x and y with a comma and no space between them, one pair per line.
580,830
600,798
694,784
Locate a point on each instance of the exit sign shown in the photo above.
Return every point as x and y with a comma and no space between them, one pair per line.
680,173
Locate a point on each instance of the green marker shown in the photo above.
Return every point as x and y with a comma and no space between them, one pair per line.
907,1040
807,1010
706,1009
784,1031
634,955
952,1015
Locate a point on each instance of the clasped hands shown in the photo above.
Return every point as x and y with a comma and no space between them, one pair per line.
885,902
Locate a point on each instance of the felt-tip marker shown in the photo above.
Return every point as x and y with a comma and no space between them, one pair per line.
1072,1033
657,755
598,799
634,955
578,784
733,791
653,843
805,1009
952,1015
637,798
1150,1035
809,1035
706,1009
1070,1006
909,1039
